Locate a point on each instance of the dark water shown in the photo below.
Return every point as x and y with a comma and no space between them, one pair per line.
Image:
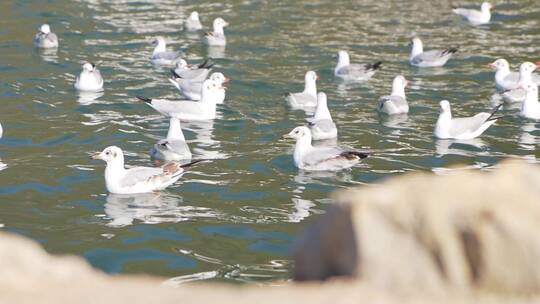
233,218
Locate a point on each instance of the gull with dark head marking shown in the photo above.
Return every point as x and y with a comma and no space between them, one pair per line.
308,157
476,17
352,71
432,58
174,146
465,127
45,38
530,107
321,124
89,80
193,89
120,180
205,109
193,23
217,36
193,72
306,99
396,103
160,55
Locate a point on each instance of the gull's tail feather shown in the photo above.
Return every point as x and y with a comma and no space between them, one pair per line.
192,163
142,98
174,75
208,63
451,50
354,154
374,66
493,112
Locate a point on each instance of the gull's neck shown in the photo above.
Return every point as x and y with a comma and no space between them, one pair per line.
208,96
444,122
302,147
160,47
531,106
342,61
501,73
114,170
175,130
398,90
486,13
322,112
417,49
311,87
525,77
218,29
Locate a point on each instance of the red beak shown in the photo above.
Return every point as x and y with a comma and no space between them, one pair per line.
538,64
227,79
318,77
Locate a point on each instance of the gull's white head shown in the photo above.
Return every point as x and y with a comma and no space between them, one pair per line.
500,64
110,154
298,133
88,66
194,16
45,28
417,42
311,77
219,78
400,82
486,6
445,106
210,88
159,41
343,57
181,64
219,23
527,68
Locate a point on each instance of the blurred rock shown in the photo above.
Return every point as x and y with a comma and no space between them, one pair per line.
465,231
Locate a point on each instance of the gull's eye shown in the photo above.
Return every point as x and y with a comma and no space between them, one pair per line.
107,153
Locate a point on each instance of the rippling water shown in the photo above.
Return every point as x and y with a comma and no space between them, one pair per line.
233,218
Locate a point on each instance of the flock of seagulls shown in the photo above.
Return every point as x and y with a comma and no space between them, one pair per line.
202,91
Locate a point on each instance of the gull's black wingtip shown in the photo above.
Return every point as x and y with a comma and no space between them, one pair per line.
374,66
174,75
208,63
452,50
192,163
142,98
354,154
495,111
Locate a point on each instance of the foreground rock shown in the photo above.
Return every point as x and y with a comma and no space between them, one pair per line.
470,231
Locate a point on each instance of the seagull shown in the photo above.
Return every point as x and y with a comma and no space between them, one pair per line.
192,89
174,146
308,157
530,107
476,17
187,109
193,72
433,58
518,94
321,124
45,38
354,72
160,55
307,98
396,103
463,128
217,37
504,78
193,23
120,180
89,80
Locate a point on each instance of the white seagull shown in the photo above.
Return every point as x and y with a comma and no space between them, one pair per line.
433,58
518,94
396,103
321,124
476,17
174,146
89,80
463,128
308,157
205,109
192,89
308,97
45,38
120,180
354,72
530,107
160,55
506,79
193,72
193,23
217,36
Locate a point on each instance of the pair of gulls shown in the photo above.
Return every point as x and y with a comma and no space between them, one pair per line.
214,38
512,83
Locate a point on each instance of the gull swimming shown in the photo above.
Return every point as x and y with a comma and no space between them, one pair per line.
463,128
433,58
518,94
354,72
321,124
205,109
395,103
308,97
308,157
193,23
192,89
174,146
476,17
193,72
217,36
160,55
530,107
89,80
120,180
45,38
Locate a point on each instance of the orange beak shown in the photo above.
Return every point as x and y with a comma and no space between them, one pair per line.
318,77
490,65
538,64
227,79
